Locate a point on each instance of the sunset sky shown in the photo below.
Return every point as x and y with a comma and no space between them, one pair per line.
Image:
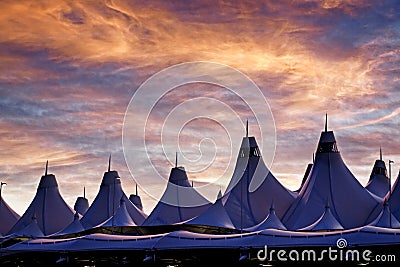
69,69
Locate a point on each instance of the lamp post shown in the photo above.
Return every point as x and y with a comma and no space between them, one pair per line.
390,191
1,187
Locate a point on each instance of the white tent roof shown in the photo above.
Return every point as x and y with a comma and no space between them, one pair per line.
270,222
8,217
74,227
378,183
365,236
81,205
327,221
52,212
121,217
253,188
136,200
180,201
386,219
306,174
215,215
30,230
331,181
107,202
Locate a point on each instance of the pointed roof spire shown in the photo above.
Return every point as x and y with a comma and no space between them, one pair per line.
176,159
380,153
326,122
192,183
84,192
109,163
136,190
271,221
313,157
47,166
247,128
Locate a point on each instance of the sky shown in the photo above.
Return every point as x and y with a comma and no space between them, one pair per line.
69,69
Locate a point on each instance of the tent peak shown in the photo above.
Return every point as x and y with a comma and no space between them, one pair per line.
327,142
176,163
247,128
109,163
47,166
326,122
178,176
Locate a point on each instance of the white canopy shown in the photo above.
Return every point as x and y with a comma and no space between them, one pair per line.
81,205
183,240
52,212
30,230
136,200
270,222
386,219
365,236
8,217
330,181
74,227
215,215
121,217
253,188
107,202
378,183
180,201
326,222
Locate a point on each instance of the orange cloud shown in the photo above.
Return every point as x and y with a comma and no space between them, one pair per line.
298,52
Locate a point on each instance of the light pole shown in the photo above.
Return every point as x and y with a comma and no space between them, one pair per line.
390,191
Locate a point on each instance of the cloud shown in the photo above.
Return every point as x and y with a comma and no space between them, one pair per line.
69,69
